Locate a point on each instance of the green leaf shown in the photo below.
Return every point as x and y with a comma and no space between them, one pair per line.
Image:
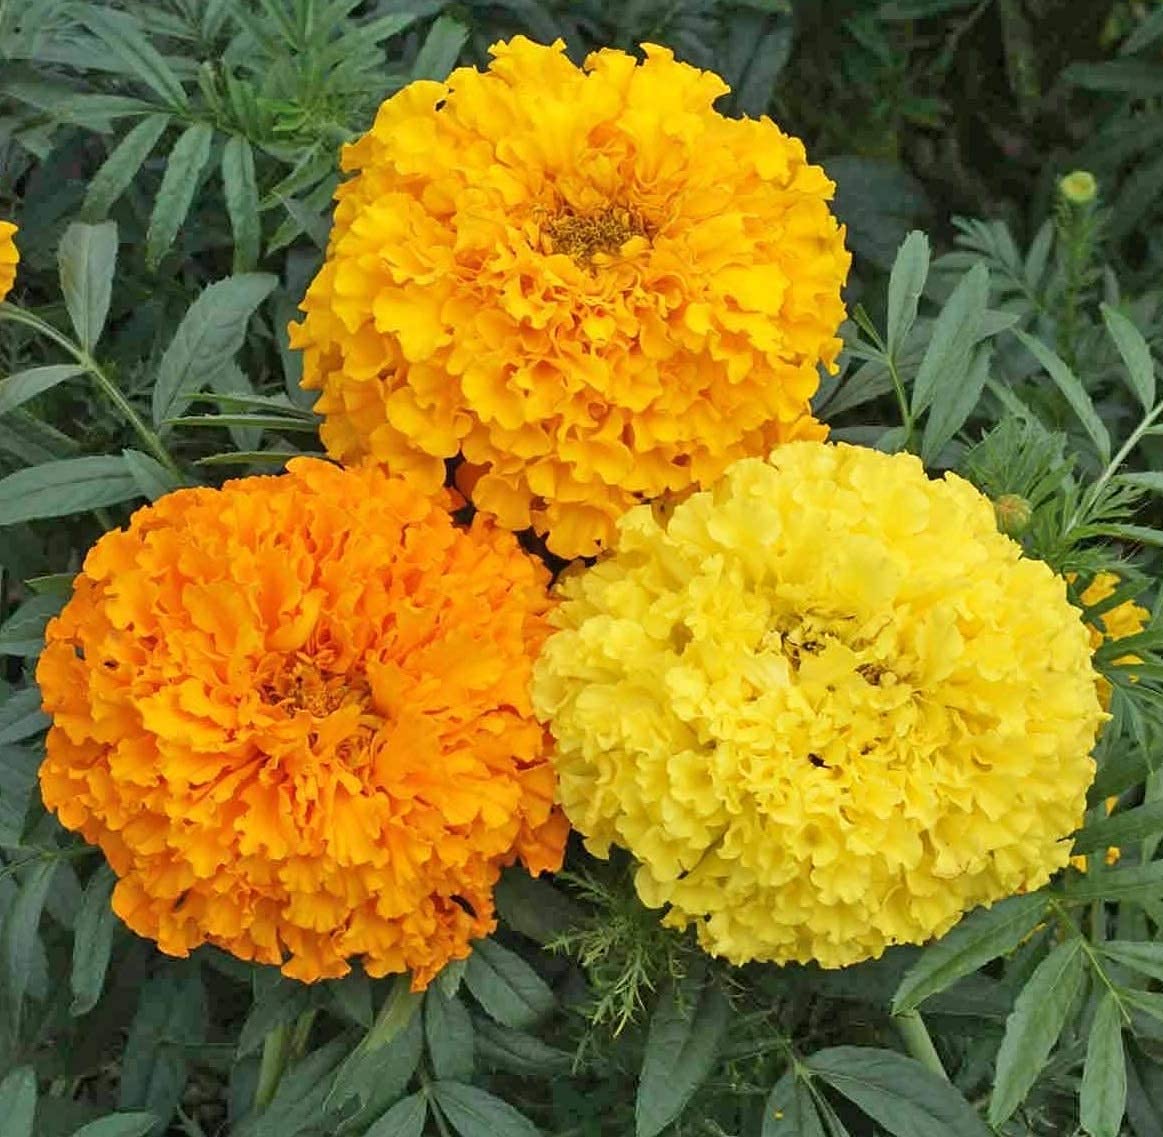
1073,391
18,1102
241,188
898,1093
93,941
18,767
70,485
441,49
955,331
208,337
19,938
909,272
119,1125
983,935
953,403
1141,956
1034,1026
152,478
1136,355
474,1113
790,1110
682,1046
171,1015
1123,76
405,1119
381,1066
22,634
532,906
1103,1099
448,1031
1132,883
352,996
506,986
175,195
255,422
512,1050
25,385
87,257
298,1103
1121,828
123,36
277,1002
121,167
21,716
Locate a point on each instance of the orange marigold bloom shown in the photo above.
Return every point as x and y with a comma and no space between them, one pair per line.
9,258
584,281
294,713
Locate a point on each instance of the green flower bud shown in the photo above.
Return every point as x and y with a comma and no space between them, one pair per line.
1079,187
1013,514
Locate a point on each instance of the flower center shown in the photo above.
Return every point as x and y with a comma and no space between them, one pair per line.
583,238
303,687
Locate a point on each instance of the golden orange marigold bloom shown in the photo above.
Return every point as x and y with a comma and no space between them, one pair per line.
825,704
9,258
584,281
294,713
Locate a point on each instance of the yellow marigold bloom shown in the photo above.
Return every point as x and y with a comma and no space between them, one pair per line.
1126,619
583,281
9,258
295,715
827,706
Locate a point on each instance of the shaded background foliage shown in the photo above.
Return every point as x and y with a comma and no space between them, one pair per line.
194,141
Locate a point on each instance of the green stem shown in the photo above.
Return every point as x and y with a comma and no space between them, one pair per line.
275,1052
301,1034
110,389
918,1043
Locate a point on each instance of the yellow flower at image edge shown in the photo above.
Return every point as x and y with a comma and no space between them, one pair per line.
294,713
584,282
827,706
1125,619
9,258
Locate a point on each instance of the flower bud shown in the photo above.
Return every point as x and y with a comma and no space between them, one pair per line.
1079,188
1013,514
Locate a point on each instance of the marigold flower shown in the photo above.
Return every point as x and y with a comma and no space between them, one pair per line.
826,705
294,713
1125,619
9,258
583,281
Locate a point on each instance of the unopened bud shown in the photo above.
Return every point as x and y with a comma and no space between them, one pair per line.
1079,187
1013,513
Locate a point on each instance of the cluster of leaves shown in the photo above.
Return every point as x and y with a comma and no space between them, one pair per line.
161,154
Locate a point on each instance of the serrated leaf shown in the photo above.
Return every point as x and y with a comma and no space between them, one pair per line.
19,937
405,1119
905,285
22,634
152,478
955,331
1034,1026
1141,956
135,1124
208,337
898,1093
298,1103
1103,1099
1072,390
175,195
1133,883
1121,828
1135,353
25,385
241,191
70,485
123,36
281,1001
87,257
953,404
441,48
382,1065
1151,480
18,1102
121,167
517,1052
93,941
352,996
682,1046
449,1034
474,1113
18,767
506,986
21,716
980,937
532,906
790,1110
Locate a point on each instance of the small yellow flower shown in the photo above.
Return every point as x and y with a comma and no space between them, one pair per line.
583,284
826,705
9,258
1126,619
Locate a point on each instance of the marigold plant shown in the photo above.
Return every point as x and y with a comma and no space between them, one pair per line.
584,282
826,705
9,258
294,713
1117,623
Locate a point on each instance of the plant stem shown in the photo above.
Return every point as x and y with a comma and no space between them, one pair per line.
110,389
918,1043
275,1051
